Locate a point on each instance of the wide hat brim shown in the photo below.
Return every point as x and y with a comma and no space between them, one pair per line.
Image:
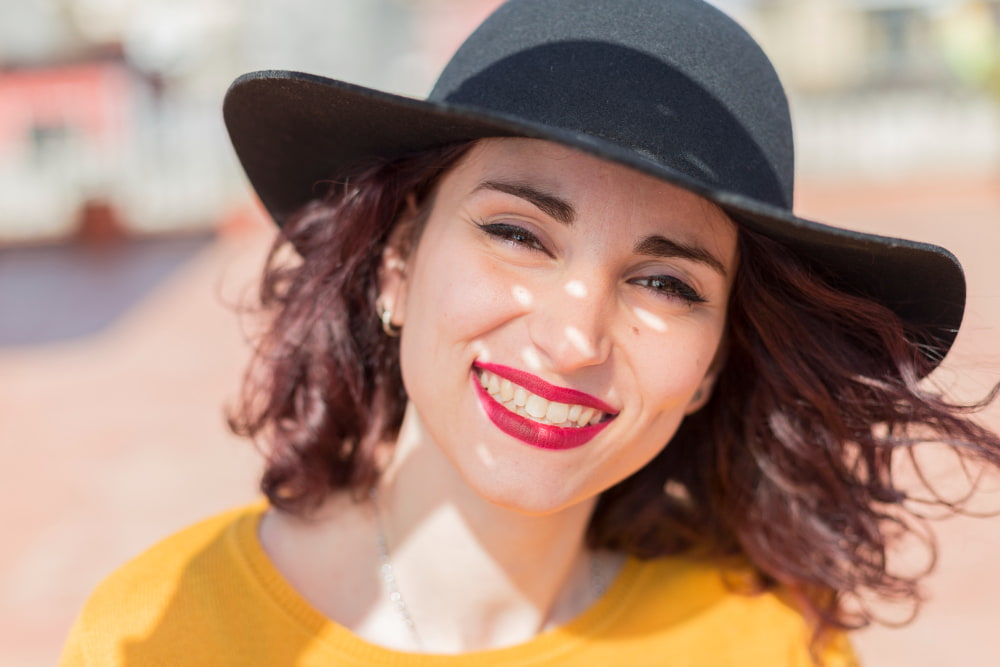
294,132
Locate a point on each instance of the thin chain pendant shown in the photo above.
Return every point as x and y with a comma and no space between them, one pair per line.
389,577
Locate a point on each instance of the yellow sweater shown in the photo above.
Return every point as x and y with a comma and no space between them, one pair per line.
210,596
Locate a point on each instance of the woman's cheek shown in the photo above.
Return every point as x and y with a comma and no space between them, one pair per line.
480,294
672,366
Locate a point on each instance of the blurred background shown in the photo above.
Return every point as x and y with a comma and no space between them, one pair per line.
128,239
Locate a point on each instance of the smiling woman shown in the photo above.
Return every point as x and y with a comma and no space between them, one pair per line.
554,381
596,229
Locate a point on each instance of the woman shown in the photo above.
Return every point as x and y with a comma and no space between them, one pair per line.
553,374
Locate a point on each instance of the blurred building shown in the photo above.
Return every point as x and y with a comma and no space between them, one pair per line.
117,101
835,46
888,88
100,102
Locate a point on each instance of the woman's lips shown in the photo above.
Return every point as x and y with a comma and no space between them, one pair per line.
540,387
504,392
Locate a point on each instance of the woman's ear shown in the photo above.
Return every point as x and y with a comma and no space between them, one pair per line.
704,392
392,272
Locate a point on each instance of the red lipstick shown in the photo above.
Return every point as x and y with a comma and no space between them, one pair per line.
543,436
549,392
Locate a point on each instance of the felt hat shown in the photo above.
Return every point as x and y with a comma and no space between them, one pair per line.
671,88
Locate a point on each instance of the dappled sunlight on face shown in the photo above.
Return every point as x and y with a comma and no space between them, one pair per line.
576,288
485,455
580,342
522,296
650,320
549,357
531,358
482,350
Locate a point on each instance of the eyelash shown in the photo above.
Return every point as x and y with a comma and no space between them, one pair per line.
664,285
513,234
671,287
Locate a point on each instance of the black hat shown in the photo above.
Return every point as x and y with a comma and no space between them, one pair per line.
672,88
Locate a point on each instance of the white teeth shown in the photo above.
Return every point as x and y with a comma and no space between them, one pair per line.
506,390
557,413
520,396
522,402
536,406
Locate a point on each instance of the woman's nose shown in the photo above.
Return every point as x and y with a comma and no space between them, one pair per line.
570,325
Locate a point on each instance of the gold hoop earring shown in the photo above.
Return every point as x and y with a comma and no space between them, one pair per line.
391,330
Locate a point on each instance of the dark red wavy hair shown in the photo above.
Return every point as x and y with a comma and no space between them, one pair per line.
790,465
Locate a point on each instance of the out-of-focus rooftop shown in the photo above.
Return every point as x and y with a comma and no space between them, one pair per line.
128,234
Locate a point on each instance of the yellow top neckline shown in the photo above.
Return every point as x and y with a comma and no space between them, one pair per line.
546,645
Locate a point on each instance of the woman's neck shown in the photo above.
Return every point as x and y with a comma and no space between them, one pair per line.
474,575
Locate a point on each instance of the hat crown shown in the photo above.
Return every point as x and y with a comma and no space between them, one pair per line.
675,83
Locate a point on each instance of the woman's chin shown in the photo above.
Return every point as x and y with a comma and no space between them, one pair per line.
538,498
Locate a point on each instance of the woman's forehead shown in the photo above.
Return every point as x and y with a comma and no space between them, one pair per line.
546,160
582,180
550,165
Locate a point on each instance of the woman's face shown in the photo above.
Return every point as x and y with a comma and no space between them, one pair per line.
589,299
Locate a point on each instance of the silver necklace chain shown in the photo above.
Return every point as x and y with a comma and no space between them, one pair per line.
597,583
389,576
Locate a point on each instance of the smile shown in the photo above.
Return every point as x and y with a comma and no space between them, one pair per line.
537,413
520,401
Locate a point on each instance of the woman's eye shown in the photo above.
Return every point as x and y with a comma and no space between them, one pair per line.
671,287
512,234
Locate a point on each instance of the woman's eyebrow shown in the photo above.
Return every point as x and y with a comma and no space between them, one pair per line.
658,246
562,211
553,206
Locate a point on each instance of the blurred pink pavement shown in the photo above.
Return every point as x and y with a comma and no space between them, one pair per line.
111,442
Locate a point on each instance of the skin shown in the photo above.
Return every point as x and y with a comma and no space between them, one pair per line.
537,257
496,278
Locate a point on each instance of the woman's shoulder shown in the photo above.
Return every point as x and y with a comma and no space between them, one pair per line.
697,605
181,575
205,544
